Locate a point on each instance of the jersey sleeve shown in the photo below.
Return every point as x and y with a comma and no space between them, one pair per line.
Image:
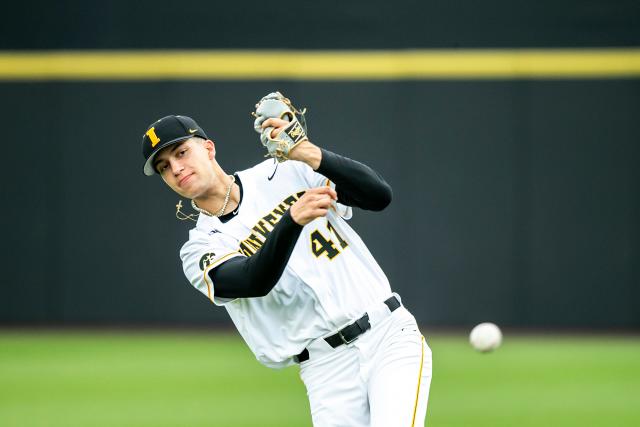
313,179
203,253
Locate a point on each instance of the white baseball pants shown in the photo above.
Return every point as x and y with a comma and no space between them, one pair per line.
380,380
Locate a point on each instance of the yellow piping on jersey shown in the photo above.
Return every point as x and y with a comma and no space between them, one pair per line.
415,407
328,184
209,267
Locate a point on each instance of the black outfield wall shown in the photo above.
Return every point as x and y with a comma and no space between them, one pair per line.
515,201
328,24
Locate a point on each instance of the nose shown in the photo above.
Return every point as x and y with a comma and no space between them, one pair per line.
176,167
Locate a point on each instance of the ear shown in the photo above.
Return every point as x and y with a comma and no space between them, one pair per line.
210,146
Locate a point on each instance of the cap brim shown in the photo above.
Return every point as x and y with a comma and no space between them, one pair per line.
148,168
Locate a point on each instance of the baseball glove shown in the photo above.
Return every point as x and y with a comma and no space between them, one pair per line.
275,105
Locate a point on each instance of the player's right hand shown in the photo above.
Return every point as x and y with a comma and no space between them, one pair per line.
313,204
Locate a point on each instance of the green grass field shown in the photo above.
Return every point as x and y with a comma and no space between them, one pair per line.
211,379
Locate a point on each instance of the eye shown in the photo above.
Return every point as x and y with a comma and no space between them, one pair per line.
182,152
162,167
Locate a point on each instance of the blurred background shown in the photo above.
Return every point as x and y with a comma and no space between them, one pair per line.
509,131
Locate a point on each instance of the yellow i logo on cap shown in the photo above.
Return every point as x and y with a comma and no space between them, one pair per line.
151,133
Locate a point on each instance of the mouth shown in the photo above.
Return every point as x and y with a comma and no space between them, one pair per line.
184,180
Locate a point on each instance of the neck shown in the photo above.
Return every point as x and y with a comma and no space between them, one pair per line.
214,200
234,199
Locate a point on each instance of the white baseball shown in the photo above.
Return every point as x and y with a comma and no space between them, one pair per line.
485,337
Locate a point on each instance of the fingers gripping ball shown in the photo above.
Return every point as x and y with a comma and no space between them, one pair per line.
275,105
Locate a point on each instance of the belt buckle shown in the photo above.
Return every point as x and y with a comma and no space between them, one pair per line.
344,340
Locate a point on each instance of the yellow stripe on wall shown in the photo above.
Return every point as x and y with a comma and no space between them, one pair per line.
320,65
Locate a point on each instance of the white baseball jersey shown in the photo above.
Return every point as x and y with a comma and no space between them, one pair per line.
330,279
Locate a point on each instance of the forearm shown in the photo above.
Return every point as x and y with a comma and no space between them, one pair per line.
255,276
356,183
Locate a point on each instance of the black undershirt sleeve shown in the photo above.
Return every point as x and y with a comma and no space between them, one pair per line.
356,184
255,276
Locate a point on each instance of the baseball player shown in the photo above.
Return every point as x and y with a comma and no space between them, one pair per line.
273,246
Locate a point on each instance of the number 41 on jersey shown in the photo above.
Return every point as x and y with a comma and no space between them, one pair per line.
321,245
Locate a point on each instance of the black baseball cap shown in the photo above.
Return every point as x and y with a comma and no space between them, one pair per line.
167,131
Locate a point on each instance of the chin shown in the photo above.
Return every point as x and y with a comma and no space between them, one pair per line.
190,193
182,192
187,194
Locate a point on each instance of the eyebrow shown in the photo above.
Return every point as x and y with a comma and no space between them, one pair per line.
174,148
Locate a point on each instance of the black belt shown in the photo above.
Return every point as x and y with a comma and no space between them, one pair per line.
351,332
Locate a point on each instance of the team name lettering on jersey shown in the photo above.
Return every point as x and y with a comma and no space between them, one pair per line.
265,225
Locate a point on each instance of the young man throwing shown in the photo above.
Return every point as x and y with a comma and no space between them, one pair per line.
272,246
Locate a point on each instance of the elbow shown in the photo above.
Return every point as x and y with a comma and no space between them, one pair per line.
383,198
263,286
268,283
261,293
259,289
256,292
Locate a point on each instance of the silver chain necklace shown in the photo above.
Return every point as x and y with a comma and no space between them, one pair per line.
224,206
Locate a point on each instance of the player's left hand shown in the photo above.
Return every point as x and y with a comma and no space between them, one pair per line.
276,105
304,151
278,126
